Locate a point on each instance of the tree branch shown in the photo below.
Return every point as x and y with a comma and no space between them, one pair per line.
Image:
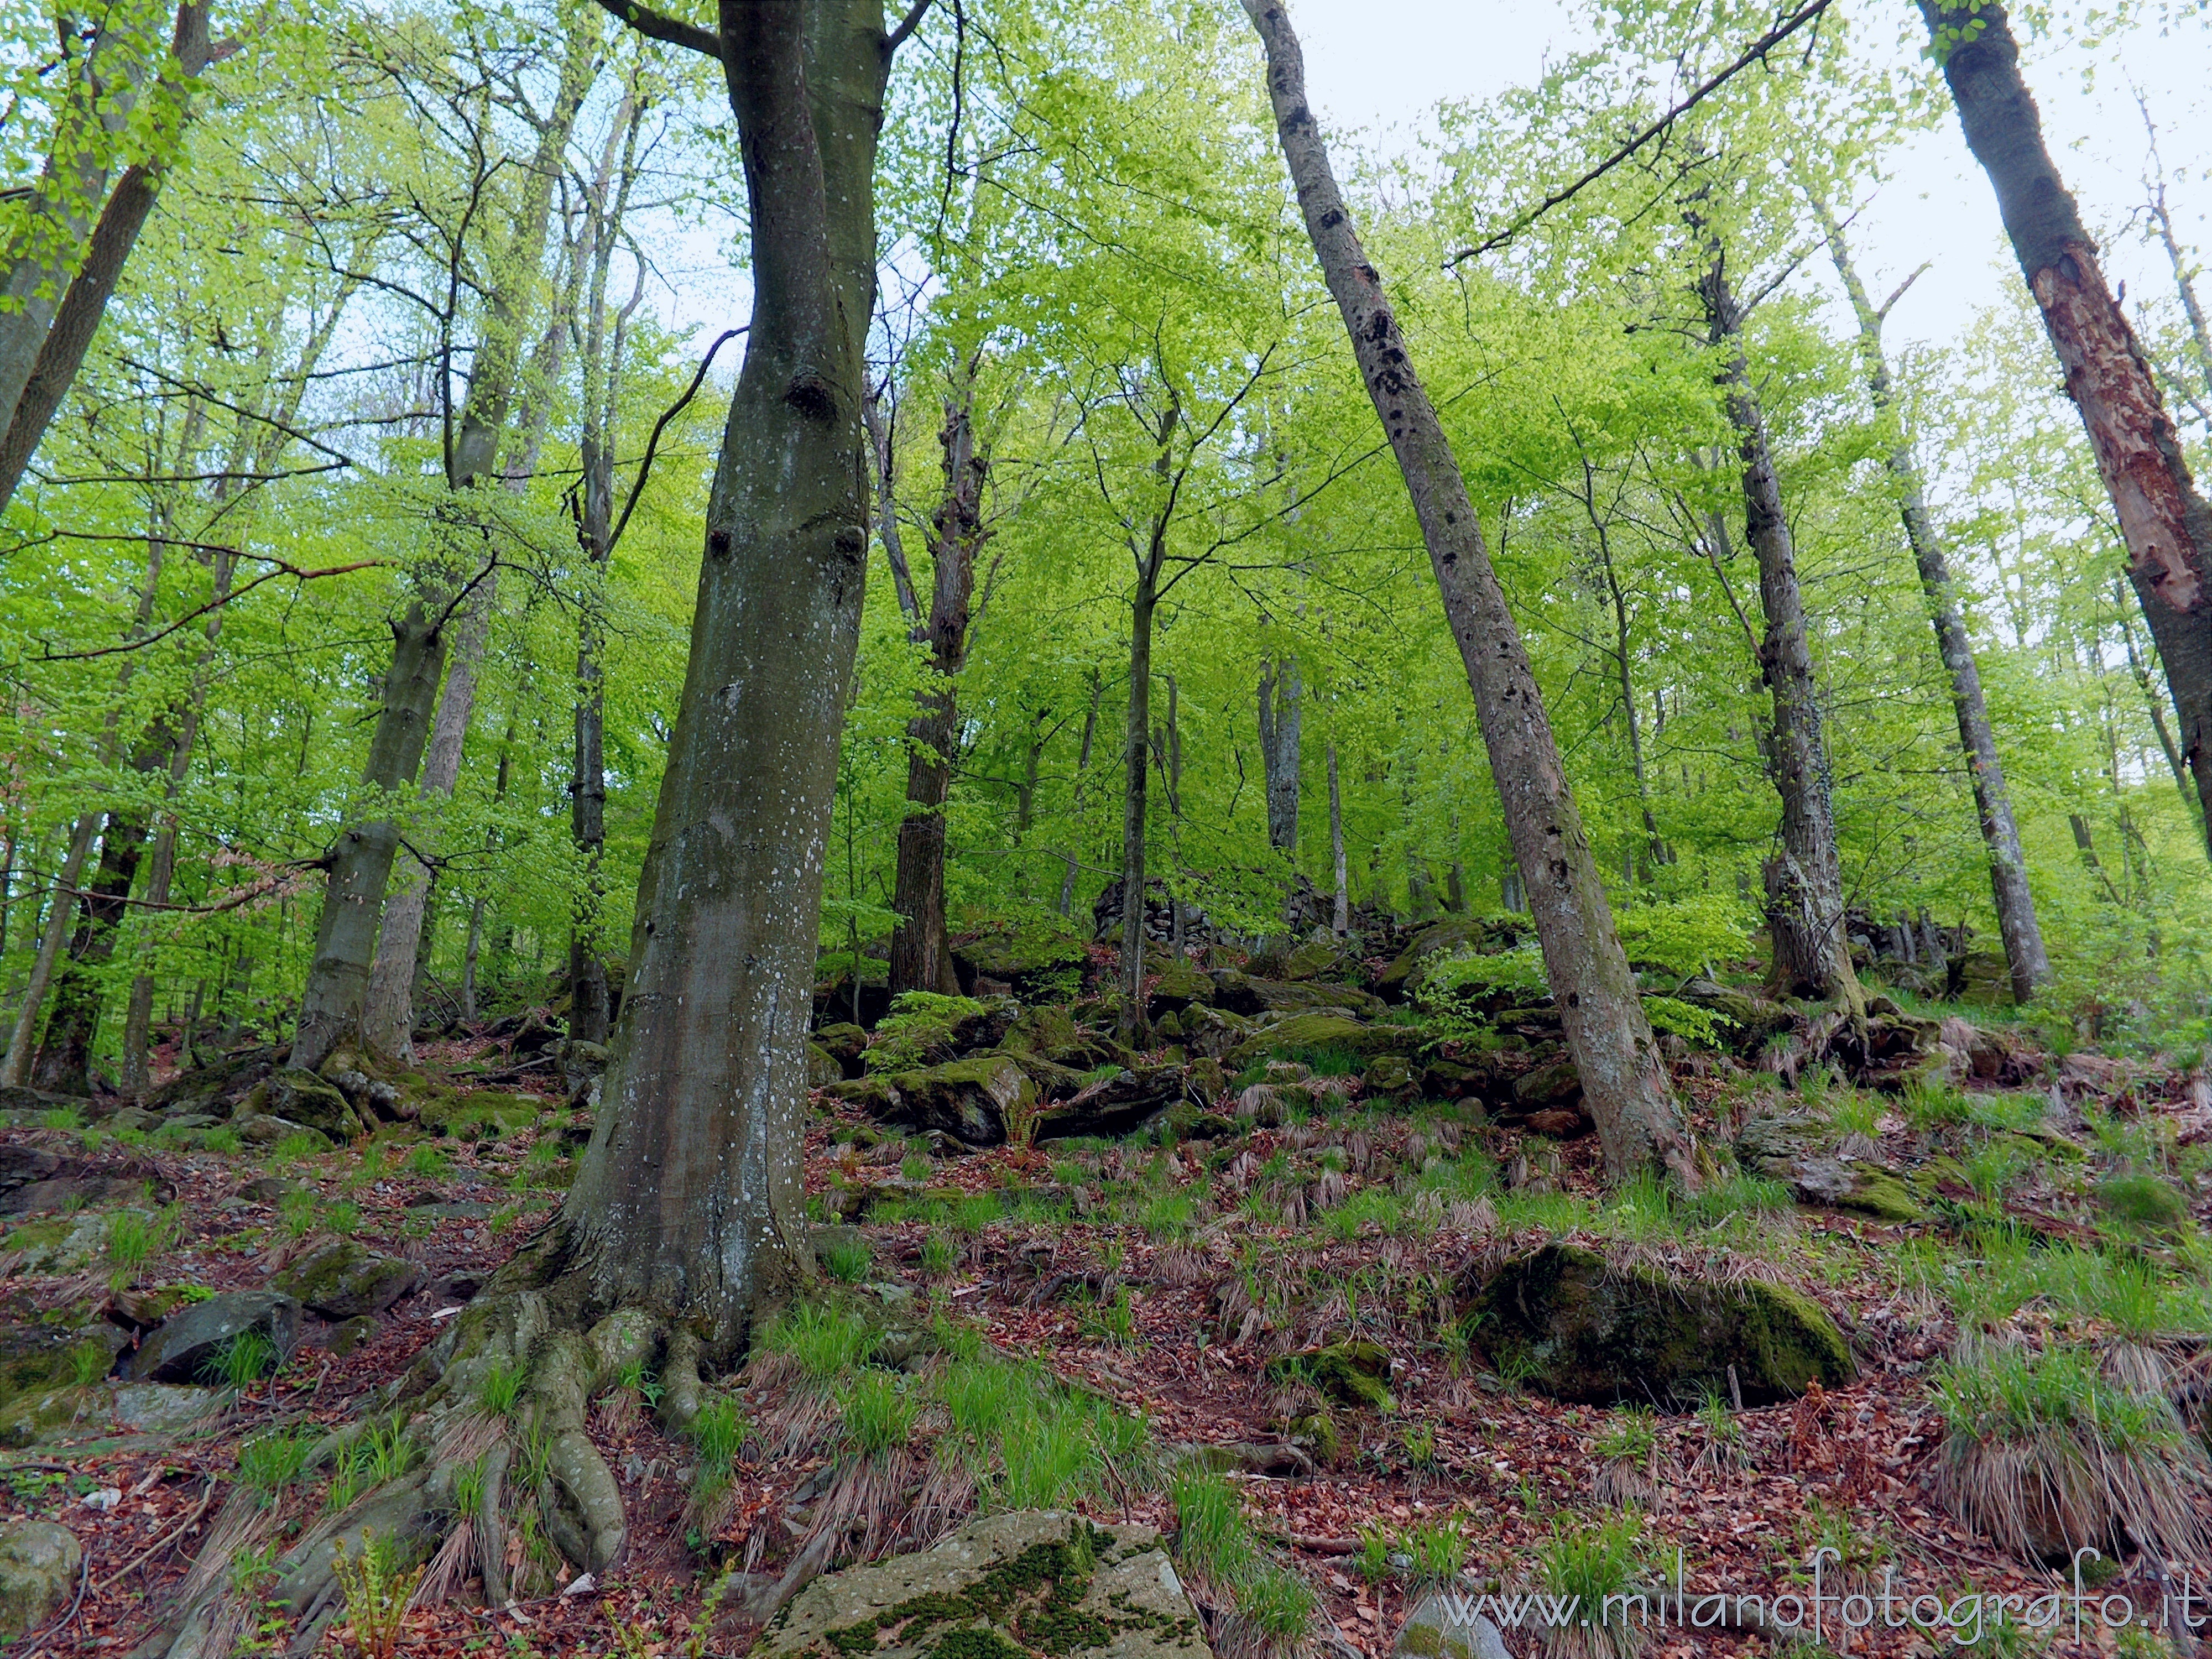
907,24
660,26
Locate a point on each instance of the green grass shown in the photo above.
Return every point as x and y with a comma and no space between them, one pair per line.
2142,1202
500,1387
132,1239
974,1213
430,1161
939,1255
1029,1440
298,1147
1438,1550
1629,1433
878,1414
88,1363
1213,1540
719,1431
382,1453
300,1213
270,1462
826,1342
1593,1562
60,1117
241,1359
849,1259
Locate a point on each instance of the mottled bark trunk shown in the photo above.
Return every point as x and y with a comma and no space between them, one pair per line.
922,955
473,948
1076,807
1341,916
14,1069
2166,524
689,1201
64,1061
1279,720
2025,956
1804,878
1136,774
1624,1083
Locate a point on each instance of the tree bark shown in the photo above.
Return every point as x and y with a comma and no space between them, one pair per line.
14,1069
1804,878
2164,521
2025,956
1624,1083
1076,805
1136,771
1279,720
1340,917
689,1203
922,956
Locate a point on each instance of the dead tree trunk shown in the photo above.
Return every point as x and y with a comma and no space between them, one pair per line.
2015,904
1804,878
1623,1081
2166,524
921,954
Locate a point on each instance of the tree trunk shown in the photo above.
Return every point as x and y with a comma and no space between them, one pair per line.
689,1203
1137,773
15,1070
922,956
1340,917
2015,904
1804,880
1279,750
1075,808
2166,524
65,1060
1624,1083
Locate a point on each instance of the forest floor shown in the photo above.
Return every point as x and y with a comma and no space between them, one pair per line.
1165,1278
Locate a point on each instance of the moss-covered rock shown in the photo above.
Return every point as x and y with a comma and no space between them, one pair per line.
822,1067
1119,1104
1749,1021
1308,1033
1388,1074
966,1098
1355,1373
1040,960
1403,977
1058,1032
46,1414
304,1098
217,1087
40,1564
844,1043
1806,1154
1581,1328
478,1114
1242,993
1320,958
342,1280
1181,983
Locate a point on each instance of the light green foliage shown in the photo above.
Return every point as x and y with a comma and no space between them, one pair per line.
134,1238
1593,1561
916,1031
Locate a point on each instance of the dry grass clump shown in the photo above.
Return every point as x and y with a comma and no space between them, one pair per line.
2045,1454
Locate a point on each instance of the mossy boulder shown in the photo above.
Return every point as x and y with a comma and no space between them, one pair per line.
1806,1154
477,1114
181,1346
1303,1033
1212,1032
1320,958
1388,1074
822,1067
1028,1582
1748,1021
1403,977
1055,1031
1355,1373
40,1563
216,1087
32,1178
265,1129
1581,1328
304,1098
1118,1105
1039,961
1242,993
1181,983
844,1043
45,1415
967,1099
341,1279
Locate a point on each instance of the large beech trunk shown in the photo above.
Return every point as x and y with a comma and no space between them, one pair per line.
1624,1082
2166,524
1279,729
2016,905
1804,878
922,956
688,1203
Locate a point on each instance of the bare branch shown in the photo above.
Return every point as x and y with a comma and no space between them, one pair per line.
657,26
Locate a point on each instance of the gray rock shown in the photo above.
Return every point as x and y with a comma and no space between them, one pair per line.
40,1563
32,1178
73,1250
1431,1633
177,1348
351,1336
151,1407
303,1098
341,1279
439,1210
1130,1591
1812,1157
35,1419
270,1189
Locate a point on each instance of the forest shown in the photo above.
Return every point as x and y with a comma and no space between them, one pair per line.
838,830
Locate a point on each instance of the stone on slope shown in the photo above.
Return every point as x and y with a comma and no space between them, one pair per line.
40,1563
967,1099
32,1179
1181,983
1034,1581
157,1407
177,1349
304,1098
1811,1158
1583,1329
1403,977
1324,1031
1116,1105
1241,994
341,1279
1438,1629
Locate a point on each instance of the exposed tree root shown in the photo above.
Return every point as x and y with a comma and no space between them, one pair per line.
531,1471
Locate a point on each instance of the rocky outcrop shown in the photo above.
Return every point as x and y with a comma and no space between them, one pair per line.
1303,1033
1403,976
1181,983
1581,1328
1241,994
967,1099
303,1097
1824,1167
341,1279
40,1563
189,1340
32,1179
1035,963
1116,1105
1033,1581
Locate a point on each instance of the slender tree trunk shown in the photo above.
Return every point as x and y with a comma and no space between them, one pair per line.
2015,904
922,955
1137,774
15,1070
1804,878
1340,917
64,1059
2166,524
475,943
1280,720
688,1200
1076,808
1624,1083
